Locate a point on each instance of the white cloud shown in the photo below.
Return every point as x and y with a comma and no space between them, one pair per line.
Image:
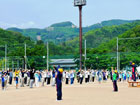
29,24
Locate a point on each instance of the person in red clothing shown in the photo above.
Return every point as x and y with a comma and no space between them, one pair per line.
133,71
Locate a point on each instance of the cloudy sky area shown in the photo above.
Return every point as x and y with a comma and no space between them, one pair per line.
43,13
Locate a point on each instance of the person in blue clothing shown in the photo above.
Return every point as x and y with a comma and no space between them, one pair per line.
3,82
59,82
72,77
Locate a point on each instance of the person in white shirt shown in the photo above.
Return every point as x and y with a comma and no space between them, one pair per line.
37,79
93,75
81,76
67,77
86,76
43,77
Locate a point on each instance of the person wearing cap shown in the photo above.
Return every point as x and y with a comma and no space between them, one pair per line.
133,71
115,76
17,77
59,83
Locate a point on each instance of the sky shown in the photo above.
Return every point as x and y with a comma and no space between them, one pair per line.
43,13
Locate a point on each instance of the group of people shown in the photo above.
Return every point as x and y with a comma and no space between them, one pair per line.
55,76
32,78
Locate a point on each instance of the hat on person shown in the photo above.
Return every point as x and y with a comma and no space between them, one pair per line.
133,63
115,71
60,70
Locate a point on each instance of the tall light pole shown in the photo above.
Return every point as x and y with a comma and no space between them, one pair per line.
80,4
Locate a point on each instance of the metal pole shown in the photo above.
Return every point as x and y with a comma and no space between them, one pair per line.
12,65
5,57
25,58
117,55
85,53
80,35
47,55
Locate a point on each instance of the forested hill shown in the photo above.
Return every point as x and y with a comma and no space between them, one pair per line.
61,32
35,51
10,37
96,37
125,45
106,53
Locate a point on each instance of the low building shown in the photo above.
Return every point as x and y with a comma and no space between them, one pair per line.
64,63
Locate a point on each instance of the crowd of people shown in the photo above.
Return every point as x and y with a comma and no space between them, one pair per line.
36,78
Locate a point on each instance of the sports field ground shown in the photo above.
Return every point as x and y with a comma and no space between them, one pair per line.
85,94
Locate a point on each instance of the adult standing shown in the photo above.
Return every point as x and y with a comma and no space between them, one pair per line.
93,75
115,76
10,77
53,77
37,79
67,77
32,78
81,77
59,83
133,71
22,78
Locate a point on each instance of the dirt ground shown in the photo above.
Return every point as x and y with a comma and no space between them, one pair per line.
86,94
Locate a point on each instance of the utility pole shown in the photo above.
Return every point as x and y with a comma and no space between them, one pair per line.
5,57
12,65
117,55
85,53
25,58
47,55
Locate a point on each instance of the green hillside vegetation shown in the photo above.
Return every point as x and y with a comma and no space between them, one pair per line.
104,55
96,37
35,51
61,32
